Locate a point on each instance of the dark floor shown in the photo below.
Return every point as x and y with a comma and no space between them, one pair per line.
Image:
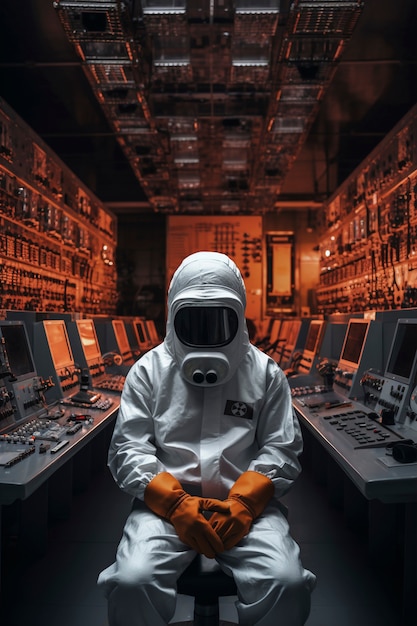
59,589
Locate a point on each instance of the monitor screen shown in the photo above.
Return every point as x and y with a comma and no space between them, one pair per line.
354,340
146,331
276,325
140,332
294,332
121,336
143,332
313,336
403,350
17,349
284,331
58,342
89,339
131,335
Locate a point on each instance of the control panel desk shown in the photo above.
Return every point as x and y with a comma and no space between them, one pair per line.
39,478
375,474
21,479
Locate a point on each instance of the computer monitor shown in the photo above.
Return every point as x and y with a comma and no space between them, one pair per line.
285,329
18,375
142,333
354,342
17,348
59,345
290,343
401,364
132,336
283,345
121,336
304,362
274,335
89,341
293,333
271,342
314,335
333,338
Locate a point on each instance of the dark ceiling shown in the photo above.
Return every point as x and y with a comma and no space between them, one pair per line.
373,84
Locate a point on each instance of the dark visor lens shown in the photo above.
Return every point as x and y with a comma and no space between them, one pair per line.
206,326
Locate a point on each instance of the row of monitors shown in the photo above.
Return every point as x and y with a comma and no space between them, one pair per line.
400,363
289,334
126,337
20,355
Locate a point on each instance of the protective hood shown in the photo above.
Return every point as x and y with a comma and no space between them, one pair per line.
206,326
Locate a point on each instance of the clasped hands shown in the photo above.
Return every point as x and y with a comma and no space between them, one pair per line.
209,535
230,519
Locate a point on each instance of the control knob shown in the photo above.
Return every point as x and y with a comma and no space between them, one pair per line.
387,417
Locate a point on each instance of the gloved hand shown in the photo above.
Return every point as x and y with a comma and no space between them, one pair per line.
165,496
247,499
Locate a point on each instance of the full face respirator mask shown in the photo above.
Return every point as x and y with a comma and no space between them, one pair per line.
206,337
206,327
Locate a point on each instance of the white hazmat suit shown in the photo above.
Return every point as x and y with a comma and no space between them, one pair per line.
206,408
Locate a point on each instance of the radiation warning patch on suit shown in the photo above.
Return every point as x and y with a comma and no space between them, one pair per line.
238,409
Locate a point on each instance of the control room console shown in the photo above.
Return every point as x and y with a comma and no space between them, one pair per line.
48,410
367,412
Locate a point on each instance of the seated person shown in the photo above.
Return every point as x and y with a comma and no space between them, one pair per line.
206,441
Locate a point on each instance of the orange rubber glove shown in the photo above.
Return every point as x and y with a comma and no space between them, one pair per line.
247,499
165,496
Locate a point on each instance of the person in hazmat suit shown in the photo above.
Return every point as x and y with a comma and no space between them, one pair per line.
206,442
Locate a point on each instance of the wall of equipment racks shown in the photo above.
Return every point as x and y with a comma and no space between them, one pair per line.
368,252
57,241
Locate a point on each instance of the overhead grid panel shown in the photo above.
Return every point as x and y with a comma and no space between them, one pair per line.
106,37
211,100
316,33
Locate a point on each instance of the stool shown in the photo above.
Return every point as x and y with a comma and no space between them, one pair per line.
206,582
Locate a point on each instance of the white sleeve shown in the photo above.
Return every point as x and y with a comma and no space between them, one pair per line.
132,455
278,434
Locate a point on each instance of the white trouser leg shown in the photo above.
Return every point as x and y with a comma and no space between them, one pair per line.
141,585
273,586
